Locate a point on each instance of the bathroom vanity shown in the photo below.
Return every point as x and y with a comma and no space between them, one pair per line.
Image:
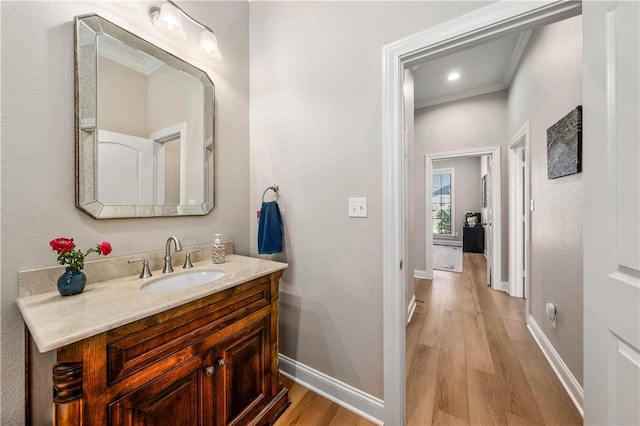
118,355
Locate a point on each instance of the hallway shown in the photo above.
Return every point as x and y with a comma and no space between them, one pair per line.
471,359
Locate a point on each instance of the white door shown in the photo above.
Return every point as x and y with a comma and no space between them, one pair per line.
611,212
487,221
125,169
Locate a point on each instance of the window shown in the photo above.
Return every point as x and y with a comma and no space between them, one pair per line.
443,202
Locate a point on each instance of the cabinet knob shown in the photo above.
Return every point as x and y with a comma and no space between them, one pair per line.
209,371
220,362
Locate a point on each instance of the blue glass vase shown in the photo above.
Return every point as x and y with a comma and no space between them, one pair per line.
71,282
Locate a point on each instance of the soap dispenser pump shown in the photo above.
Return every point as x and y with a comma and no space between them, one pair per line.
217,252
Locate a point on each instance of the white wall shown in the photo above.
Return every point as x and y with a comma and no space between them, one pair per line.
316,93
474,122
38,200
548,85
467,189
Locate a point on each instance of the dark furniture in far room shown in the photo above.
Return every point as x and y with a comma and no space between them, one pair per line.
473,239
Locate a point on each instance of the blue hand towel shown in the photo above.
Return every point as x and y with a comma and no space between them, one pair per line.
270,229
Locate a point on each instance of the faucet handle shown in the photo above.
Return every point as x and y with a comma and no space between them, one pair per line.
146,273
187,259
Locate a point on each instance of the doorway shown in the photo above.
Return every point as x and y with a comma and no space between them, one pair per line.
492,220
485,24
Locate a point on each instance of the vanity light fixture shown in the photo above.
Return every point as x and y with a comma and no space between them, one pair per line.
168,19
453,76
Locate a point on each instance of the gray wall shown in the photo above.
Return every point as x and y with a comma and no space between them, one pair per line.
474,122
316,108
467,188
38,145
547,85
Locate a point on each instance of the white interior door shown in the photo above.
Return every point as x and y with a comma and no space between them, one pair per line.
125,169
487,221
612,194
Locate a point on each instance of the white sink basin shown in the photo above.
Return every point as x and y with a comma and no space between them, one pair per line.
183,280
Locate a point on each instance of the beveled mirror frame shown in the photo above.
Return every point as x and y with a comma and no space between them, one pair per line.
86,179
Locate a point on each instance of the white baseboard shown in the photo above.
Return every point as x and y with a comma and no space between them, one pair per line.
411,308
361,403
571,385
423,275
447,243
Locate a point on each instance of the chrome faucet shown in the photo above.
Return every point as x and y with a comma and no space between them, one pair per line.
167,254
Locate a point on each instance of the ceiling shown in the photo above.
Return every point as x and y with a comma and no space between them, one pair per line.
483,69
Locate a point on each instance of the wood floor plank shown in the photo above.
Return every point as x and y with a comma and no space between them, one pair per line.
310,409
485,399
436,294
434,298
475,342
517,330
505,304
453,300
445,419
347,418
421,386
413,333
513,420
431,333
296,392
451,384
422,288
554,403
519,399
485,300
468,295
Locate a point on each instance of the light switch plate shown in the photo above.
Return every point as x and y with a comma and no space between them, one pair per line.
358,207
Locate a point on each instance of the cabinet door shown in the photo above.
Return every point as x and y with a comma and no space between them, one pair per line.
243,375
183,396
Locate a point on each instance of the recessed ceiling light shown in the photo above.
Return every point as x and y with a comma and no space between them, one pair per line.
453,76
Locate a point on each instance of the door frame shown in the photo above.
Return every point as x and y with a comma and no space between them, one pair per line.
494,152
160,137
484,24
517,259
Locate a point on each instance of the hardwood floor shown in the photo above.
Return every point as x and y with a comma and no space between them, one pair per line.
310,409
470,361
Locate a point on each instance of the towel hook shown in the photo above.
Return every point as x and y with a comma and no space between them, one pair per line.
274,188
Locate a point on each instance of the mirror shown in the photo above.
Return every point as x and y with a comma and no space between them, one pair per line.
144,127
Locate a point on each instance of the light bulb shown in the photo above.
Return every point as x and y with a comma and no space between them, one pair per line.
209,44
169,21
453,76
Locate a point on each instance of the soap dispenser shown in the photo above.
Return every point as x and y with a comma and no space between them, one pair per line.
217,252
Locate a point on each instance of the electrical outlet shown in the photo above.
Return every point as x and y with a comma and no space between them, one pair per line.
358,207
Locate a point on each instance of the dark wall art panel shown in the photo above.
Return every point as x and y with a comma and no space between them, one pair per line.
564,145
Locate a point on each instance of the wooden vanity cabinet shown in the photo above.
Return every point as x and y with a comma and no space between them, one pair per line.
213,361
178,397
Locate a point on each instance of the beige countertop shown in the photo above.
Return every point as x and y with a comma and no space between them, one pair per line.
55,321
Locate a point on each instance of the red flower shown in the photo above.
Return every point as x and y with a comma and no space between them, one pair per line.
105,248
68,255
62,245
